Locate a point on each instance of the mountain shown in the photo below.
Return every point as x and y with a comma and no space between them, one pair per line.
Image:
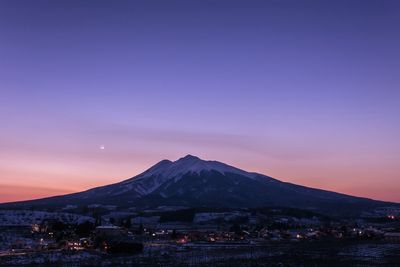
193,182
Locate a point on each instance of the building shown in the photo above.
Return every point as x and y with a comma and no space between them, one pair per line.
110,231
115,239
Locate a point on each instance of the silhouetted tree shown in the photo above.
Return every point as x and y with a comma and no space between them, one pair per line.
174,234
97,221
59,226
84,229
235,228
141,229
127,223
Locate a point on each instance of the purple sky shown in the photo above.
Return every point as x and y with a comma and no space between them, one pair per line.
305,91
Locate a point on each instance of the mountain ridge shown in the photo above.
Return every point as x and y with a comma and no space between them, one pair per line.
193,182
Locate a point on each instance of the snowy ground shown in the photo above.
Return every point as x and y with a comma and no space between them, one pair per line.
28,217
366,254
54,258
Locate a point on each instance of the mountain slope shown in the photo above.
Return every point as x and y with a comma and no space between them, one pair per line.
193,182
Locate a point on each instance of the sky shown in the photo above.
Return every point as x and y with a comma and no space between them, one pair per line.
94,92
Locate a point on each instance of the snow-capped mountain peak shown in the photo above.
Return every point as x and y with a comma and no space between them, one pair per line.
172,171
190,164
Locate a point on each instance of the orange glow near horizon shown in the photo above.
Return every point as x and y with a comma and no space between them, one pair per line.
11,193
40,181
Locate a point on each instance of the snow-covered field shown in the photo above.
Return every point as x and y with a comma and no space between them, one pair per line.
52,258
28,217
226,216
266,254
